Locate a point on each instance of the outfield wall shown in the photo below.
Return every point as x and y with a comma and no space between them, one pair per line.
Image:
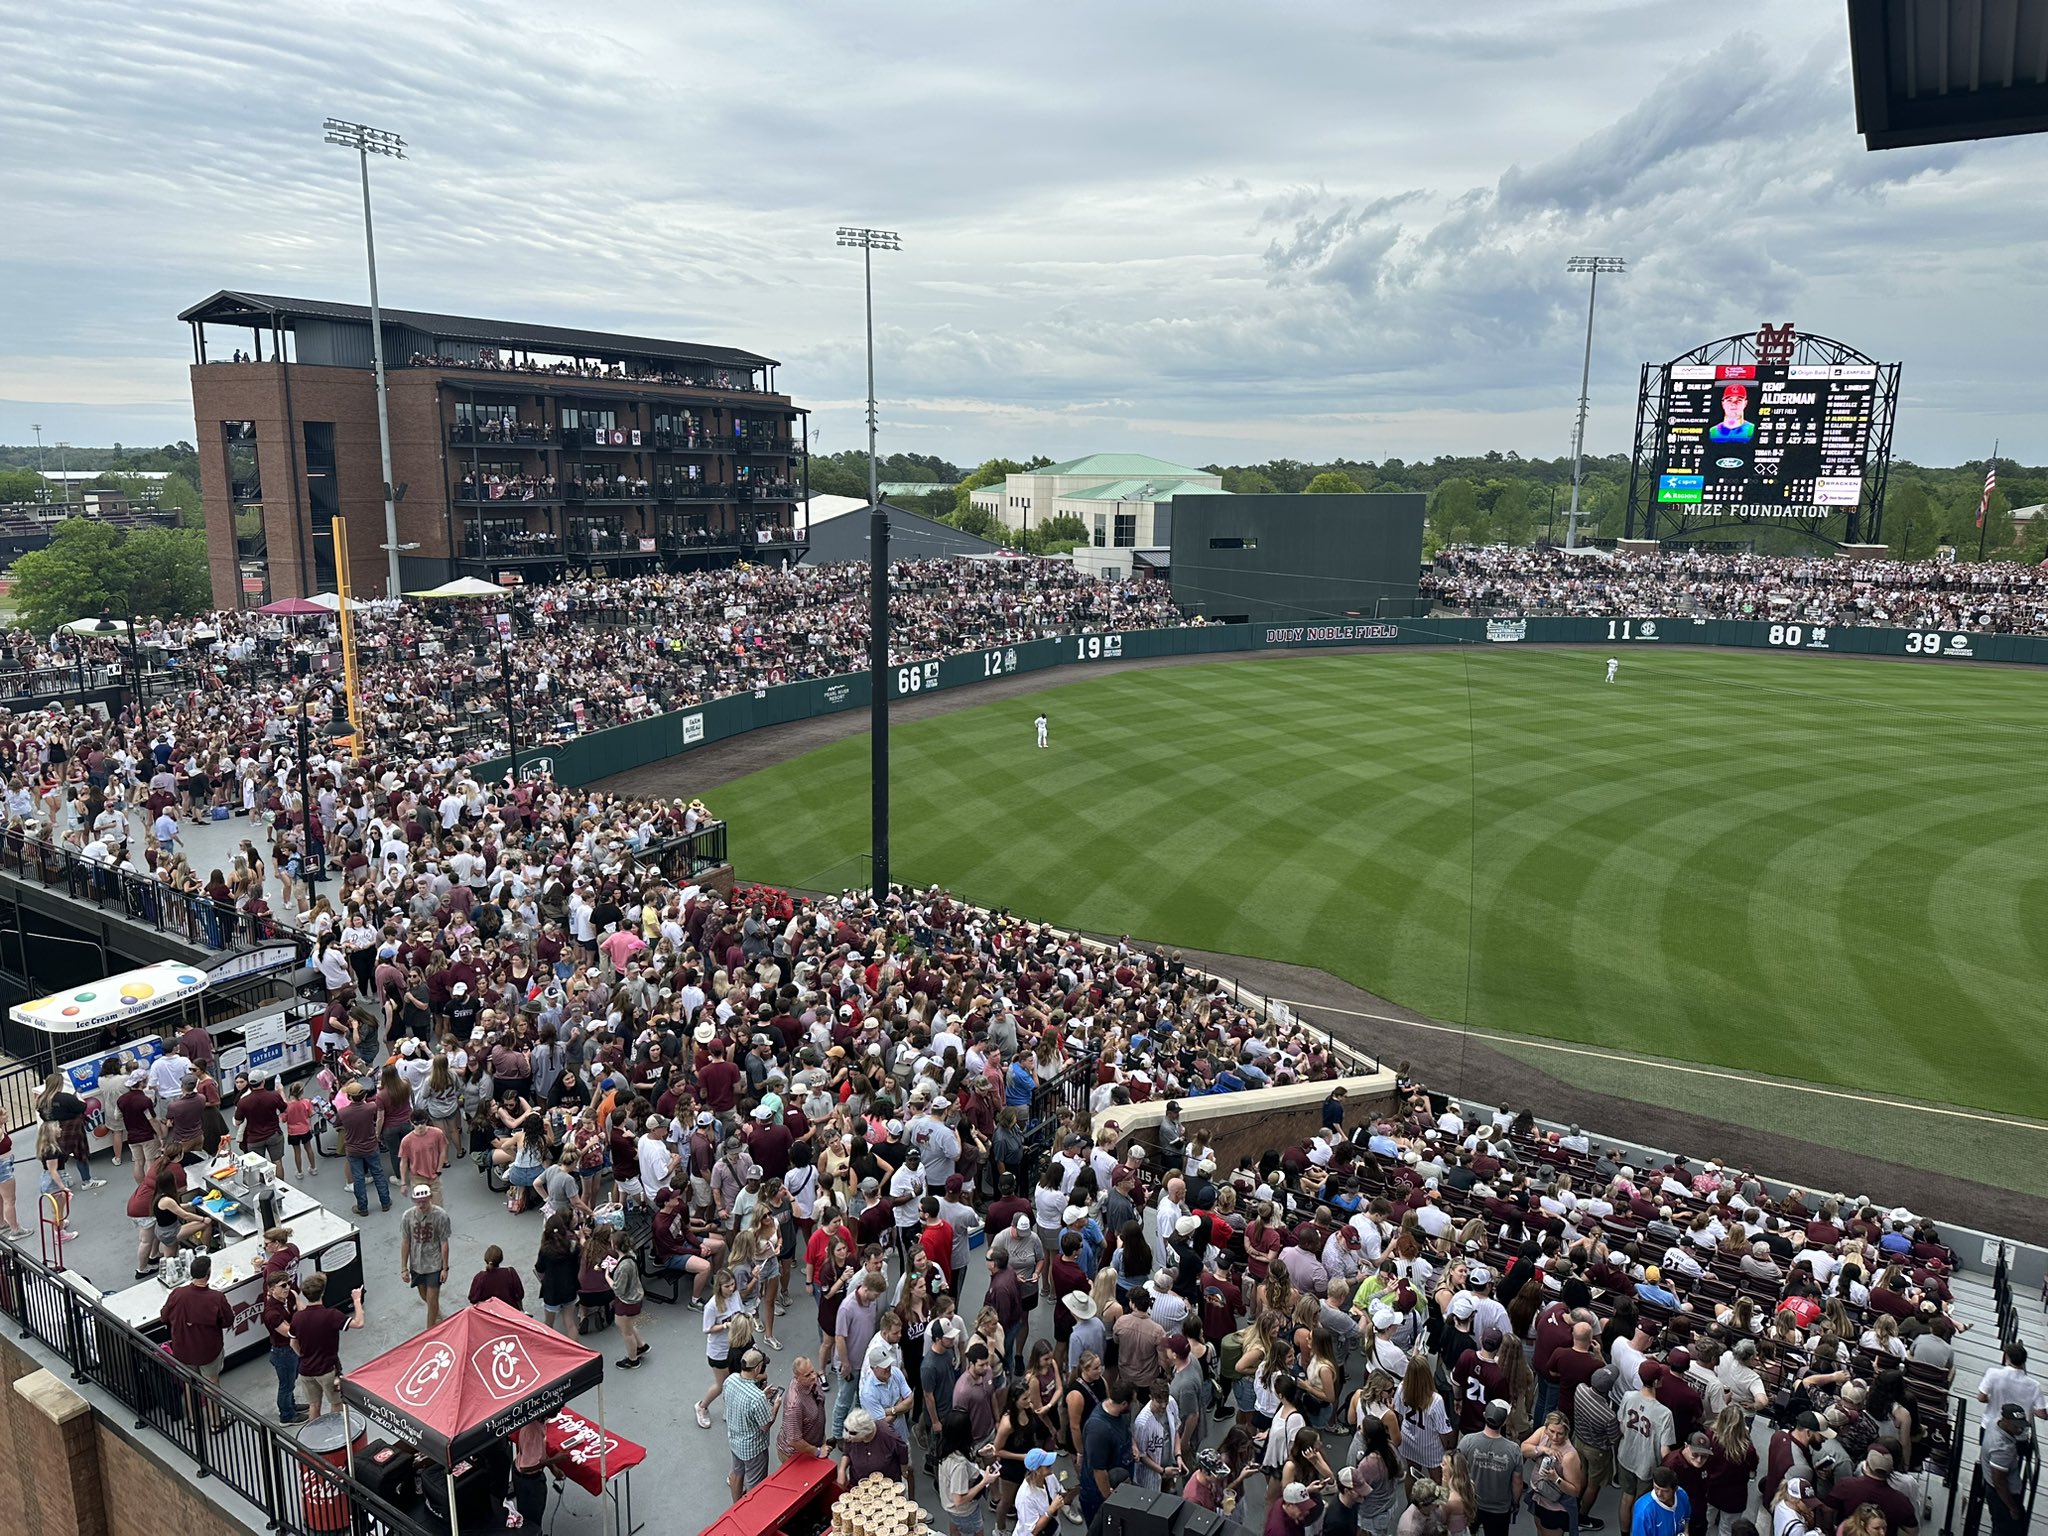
600,754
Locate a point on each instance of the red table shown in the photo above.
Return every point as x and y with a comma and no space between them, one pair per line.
569,1431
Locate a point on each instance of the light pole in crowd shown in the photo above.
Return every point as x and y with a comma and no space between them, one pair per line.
511,703
367,141
869,241
1594,266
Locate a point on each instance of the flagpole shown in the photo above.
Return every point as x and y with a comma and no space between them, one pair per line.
1984,502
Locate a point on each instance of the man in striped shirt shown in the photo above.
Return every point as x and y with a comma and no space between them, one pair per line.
750,1410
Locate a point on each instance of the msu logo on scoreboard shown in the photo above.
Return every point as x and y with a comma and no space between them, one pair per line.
1774,343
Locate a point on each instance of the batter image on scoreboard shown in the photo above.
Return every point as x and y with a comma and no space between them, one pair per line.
1732,427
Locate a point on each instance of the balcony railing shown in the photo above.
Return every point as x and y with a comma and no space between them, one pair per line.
246,490
756,444
607,490
144,899
512,546
544,488
523,435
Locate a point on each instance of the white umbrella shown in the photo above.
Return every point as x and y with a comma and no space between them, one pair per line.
92,626
466,586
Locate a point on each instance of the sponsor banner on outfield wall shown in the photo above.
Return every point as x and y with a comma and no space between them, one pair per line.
1328,634
600,754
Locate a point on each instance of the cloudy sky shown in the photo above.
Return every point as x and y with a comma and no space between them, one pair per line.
1209,231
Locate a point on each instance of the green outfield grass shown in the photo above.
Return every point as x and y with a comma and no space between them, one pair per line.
1819,868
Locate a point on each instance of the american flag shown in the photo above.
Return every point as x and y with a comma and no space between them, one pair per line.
1990,485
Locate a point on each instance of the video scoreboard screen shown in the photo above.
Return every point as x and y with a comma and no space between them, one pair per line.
1766,440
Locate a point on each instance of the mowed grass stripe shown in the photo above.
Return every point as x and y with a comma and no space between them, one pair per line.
1819,864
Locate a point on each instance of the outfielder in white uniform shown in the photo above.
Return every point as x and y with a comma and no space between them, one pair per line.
1041,722
1613,666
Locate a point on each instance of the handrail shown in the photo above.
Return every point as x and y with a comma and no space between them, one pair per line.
224,1439
192,917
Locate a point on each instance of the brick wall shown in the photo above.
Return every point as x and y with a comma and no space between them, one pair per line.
67,1470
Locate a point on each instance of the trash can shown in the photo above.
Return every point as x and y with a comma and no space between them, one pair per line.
323,1504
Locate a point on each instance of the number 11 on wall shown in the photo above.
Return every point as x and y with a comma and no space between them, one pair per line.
1620,629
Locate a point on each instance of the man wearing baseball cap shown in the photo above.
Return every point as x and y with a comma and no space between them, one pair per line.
1298,1506
2004,1452
423,1237
1494,1463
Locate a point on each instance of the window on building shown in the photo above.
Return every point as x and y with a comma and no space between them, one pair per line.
323,499
1102,530
1127,530
575,420
1233,543
245,479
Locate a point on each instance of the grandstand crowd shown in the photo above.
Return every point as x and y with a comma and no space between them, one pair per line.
802,1112
794,1116
1988,597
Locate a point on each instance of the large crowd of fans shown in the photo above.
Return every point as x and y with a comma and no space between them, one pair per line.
701,376
1988,597
793,1117
587,653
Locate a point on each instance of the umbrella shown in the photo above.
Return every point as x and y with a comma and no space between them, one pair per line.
330,602
294,607
467,586
92,626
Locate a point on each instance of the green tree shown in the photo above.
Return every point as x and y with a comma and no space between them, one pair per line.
90,566
1514,520
20,485
1911,529
1454,512
1247,482
989,472
1333,482
979,522
1056,535
76,575
166,569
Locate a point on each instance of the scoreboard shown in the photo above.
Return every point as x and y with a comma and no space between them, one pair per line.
1766,439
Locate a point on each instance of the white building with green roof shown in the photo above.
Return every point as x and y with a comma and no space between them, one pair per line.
1125,500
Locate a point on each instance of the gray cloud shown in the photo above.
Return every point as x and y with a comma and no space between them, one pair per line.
1213,230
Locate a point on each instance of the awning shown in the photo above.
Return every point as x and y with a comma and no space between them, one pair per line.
464,586
100,1003
474,1379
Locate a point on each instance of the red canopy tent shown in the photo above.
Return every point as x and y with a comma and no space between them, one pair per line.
472,1381
296,607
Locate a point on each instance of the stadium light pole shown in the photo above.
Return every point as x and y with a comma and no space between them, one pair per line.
64,468
869,241
1594,266
367,141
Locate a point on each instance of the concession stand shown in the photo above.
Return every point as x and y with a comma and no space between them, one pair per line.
243,1196
450,1399
124,1022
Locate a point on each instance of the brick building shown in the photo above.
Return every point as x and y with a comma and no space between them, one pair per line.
520,452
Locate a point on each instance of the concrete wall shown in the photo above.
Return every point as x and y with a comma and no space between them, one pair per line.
1264,1120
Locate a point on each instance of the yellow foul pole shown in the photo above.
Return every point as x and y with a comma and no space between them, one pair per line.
348,634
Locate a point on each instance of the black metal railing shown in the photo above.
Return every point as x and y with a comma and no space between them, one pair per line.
228,1442
193,917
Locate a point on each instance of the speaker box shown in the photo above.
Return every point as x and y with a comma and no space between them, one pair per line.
390,1472
1193,1520
1135,1511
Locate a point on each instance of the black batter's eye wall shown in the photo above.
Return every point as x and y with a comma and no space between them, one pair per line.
1259,559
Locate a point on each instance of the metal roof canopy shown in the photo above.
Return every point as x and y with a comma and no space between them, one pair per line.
129,995
1942,71
236,307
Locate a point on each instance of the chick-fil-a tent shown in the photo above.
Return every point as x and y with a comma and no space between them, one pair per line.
471,1381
